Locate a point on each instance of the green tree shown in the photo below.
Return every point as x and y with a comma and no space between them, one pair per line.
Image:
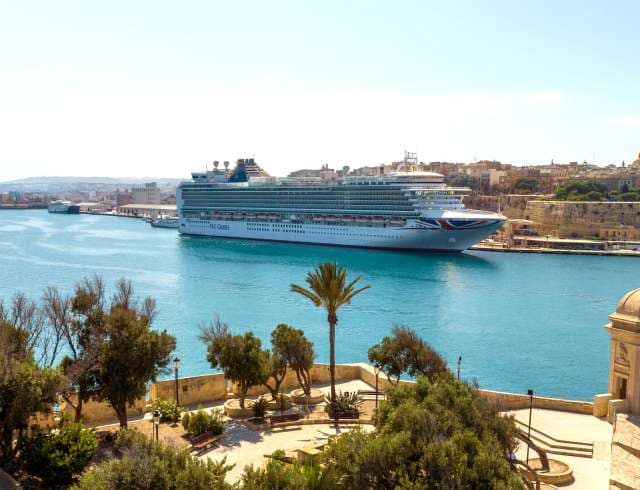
527,184
433,434
294,349
143,464
406,352
132,354
577,190
277,367
240,357
25,388
82,321
463,180
328,288
56,458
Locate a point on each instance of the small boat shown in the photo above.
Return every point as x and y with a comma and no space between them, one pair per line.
168,222
347,219
63,207
362,219
396,220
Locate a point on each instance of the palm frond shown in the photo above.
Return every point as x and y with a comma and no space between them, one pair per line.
306,293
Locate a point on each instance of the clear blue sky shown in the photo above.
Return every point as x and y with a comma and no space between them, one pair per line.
161,88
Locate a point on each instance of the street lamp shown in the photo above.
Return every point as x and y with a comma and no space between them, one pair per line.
530,393
156,424
176,366
376,368
459,362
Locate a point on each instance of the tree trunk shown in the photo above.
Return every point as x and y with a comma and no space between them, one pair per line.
332,354
82,393
121,412
78,411
307,382
243,395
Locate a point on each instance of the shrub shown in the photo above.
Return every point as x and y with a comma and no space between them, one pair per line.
260,407
434,434
201,421
186,418
278,475
169,410
148,465
57,457
344,402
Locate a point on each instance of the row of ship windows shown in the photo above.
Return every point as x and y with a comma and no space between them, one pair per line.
303,199
257,207
337,232
295,228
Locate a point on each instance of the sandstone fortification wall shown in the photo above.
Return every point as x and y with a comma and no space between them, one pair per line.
580,219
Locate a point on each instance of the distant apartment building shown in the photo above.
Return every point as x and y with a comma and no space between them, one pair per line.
148,194
324,173
123,198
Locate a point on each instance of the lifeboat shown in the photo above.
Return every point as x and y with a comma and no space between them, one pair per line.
347,219
318,219
238,215
397,220
332,218
362,219
250,216
262,216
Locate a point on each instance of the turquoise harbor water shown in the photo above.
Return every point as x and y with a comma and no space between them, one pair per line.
518,320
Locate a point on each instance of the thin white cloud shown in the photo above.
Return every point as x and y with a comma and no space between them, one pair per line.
627,121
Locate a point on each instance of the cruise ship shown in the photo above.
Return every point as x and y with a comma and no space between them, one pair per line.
63,207
400,210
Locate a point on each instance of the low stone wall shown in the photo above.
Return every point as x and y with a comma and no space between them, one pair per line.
500,399
193,390
513,401
95,412
207,389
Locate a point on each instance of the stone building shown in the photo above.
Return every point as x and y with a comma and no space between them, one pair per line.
148,194
624,358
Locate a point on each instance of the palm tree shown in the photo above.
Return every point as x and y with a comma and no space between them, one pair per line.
328,289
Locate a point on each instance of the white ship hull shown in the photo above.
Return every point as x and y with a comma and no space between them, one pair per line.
413,236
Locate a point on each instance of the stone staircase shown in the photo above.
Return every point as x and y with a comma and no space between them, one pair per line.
553,445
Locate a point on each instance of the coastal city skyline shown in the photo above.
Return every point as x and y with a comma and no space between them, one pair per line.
452,83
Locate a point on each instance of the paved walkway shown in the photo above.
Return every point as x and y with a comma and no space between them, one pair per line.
243,446
588,473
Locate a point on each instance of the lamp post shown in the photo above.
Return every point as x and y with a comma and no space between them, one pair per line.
376,368
176,366
459,362
530,393
156,424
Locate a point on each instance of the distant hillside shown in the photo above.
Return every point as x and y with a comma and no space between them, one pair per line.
92,180
65,184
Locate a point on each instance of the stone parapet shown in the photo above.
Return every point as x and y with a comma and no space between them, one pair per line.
601,404
208,389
